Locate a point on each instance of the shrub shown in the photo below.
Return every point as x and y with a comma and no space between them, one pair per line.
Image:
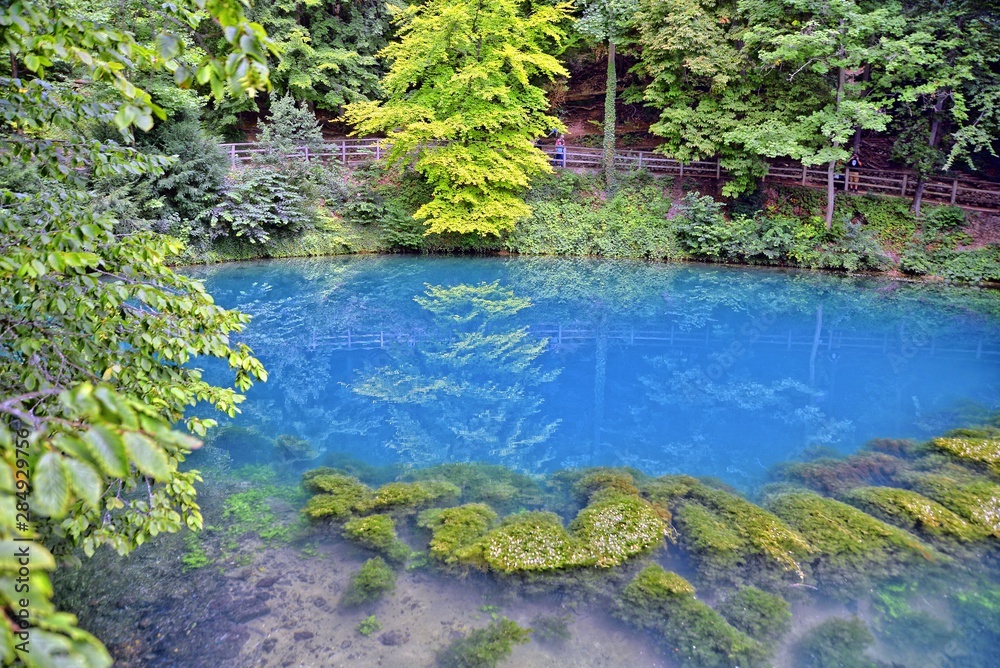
374,580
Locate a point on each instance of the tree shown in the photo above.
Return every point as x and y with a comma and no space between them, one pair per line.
608,21
464,106
945,87
97,332
830,41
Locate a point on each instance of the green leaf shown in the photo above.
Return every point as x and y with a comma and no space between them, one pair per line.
147,455
108,449
85,481
50,485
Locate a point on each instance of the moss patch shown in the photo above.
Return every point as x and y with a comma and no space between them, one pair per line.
694,633
532,541
409,495
852,546
455,528
374,580
757,613
339,495
980,452
377,533
616,526
914,512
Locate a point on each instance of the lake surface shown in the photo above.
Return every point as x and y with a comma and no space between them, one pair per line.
542,364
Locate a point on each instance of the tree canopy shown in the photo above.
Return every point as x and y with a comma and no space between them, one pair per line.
463,103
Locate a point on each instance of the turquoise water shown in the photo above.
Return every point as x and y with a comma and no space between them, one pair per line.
542,364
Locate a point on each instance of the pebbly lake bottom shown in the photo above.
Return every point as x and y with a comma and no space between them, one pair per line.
265,585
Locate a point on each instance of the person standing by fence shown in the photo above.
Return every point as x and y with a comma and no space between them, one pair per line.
560,152
854,164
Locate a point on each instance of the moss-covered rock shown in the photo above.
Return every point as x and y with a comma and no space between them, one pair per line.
978,452
377,533
593,480
914,512
836,643
834,476
976,500
374,580
757,613
694,633
456,528
735,540
338,495
396,496
531,541
852,546
498,486
616,526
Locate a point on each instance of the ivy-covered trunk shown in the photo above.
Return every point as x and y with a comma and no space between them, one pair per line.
609,119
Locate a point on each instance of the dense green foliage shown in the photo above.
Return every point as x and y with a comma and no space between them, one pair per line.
97,332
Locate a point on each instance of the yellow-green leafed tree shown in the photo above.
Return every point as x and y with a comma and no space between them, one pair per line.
463,104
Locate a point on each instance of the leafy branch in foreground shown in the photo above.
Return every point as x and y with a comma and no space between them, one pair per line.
96,333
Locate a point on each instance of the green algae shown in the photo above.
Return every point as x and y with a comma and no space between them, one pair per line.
409,496
836,643
338,495
757,613
587,481
374,580
456,528
484,648
914,512
852,546
369,625
616,526
733,539
694,633
377,533
976,500
498,486
977,452
530,541
834,476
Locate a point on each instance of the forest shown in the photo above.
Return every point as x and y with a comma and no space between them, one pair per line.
111,175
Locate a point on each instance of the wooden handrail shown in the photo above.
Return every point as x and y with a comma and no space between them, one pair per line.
963,191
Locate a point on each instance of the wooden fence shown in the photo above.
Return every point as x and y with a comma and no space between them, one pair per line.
959,189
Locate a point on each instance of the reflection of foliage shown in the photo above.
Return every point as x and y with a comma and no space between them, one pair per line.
471,392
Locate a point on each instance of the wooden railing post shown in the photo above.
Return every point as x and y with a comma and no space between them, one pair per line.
232,155
682,170
718,167
847,177
640,159
902,191
343,151
378,149
954,190
306,154
805,171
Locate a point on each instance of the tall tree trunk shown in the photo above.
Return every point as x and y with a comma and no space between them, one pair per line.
831,189
932,141
609,120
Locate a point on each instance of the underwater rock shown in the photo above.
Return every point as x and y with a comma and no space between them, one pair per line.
694,633
757,613
836,643
339,495
732,539
975,500
409,495
852,547
833,476
502,488
978,452
532,541
377,533
394,638
455,528
616,526
914,512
